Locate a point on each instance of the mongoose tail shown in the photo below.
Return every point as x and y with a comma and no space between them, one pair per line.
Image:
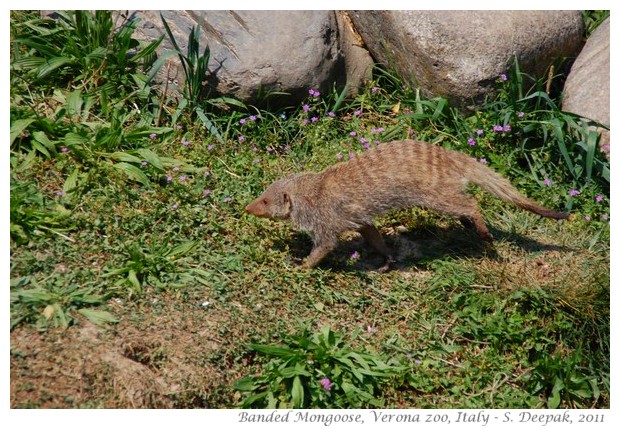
493,183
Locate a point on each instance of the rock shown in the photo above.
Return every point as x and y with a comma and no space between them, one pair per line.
586,91
254,53
460,54
357,59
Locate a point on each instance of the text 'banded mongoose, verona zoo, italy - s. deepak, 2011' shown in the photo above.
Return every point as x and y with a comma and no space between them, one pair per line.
396,175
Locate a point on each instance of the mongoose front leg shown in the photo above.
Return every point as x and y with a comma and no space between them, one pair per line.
373,237
319,251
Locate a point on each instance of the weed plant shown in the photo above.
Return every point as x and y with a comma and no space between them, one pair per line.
123,198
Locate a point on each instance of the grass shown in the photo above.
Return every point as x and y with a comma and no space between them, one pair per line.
132,258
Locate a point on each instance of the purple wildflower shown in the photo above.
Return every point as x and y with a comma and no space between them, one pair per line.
587,218
175,169
314,119
144,163
64,149
182,177
242,121
252,118
210,147
169,178
573,192
547,182
471,141
241,139
306,107
186,143
598,198
175,206
59,194
206,192
357,112
520,114
227,199
506,128
479,132
355,255
339,156
331,114
153,135
375,89
353,133
305,121
503,77
351,155
498,128
326,383
483,160
363,140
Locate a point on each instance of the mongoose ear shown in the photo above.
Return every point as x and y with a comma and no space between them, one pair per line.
288,203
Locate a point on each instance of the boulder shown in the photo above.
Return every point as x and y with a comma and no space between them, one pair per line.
460,54
254,53
586,91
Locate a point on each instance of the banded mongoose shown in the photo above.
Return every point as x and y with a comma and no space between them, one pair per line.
401,174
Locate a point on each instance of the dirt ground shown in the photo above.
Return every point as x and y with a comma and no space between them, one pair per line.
161,359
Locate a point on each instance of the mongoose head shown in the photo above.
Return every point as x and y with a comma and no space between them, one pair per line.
274,203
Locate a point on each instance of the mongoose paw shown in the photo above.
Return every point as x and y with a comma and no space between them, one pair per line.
387,266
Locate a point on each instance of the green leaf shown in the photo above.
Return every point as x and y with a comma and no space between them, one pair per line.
98,317
210,126
18,126
133,173
182,248
151,157
297,393
71,182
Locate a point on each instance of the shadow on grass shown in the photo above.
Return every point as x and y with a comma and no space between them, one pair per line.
409,247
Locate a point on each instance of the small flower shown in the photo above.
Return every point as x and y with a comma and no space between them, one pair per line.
363,140
182,177
374,89
604,217
598,198
326,383
227,199
60,194
482,160
169,178
186,143
353,133
355,255
331,114
377,130
254,149
339,156
351,155
314,119
64,149
252,118
547,182
587,218
498,128
479,132
605,148
357,112
573,192
210,147
242,121
311,91
270,149
417,361
175,169
305,121
471,141
306,107
206,192
144,163
175,206
283,115
503,77
241,139
520,114
506,128
366,145
153,135
317,94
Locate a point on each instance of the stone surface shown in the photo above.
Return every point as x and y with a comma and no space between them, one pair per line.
254,53
459,54
357,59
586,92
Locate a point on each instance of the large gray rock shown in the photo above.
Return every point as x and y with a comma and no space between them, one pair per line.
586,91
254,53
459,54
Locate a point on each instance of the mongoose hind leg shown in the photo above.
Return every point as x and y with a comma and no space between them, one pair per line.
373,237
477,224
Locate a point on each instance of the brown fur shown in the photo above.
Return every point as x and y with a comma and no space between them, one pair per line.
349,195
